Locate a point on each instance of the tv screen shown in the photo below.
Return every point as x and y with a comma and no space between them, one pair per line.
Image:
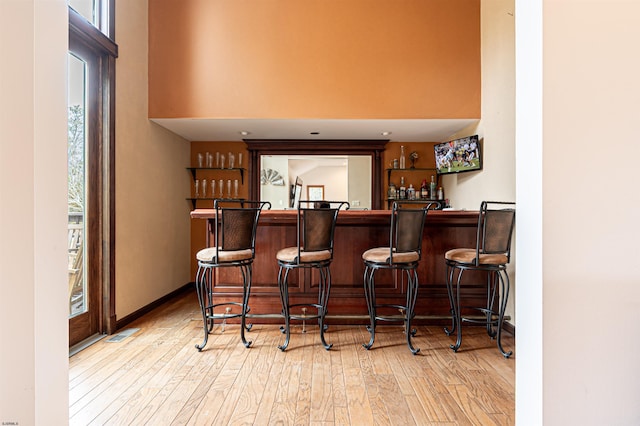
459,155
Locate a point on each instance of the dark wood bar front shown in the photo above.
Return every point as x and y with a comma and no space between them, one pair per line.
356,232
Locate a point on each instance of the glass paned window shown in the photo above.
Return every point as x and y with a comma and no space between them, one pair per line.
76,156
94,11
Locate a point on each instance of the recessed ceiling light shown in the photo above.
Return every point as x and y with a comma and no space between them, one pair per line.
244,133
385,133
314,133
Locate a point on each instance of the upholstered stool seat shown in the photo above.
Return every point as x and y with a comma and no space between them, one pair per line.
290,255
402,254
382,255
491,255
209,255
467,255
234,230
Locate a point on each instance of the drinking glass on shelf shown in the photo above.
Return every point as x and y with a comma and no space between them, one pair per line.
204,188
232,160
213,188
229,187
209,159
200,159
217,160
222,161
240,160
197,184
235,188
221,185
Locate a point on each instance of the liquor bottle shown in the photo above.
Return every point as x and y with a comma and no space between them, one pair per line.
411,192
424,190
403,159
432,189
403,190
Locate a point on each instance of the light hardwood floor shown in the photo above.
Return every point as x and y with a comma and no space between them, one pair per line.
157,377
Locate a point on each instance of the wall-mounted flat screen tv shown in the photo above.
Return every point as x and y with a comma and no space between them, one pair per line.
459,155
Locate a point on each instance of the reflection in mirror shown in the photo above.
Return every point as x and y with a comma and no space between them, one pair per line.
344,178
296,193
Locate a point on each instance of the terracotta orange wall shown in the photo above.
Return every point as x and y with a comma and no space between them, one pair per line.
314,59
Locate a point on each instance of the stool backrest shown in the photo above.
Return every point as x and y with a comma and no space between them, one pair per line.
407,226
237,222
316,224
495,228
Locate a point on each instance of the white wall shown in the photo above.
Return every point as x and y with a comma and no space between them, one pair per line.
152,217
578,322
529,299
591,286
278,195
334,179
358,175
33,212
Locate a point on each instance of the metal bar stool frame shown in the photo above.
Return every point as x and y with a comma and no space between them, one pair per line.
315,229
403,254
234,230
496,222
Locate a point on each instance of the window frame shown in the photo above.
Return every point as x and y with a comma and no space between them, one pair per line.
85,34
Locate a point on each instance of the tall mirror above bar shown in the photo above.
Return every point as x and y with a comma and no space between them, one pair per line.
328,177
334,169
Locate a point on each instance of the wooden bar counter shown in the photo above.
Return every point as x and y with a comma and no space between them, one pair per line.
356,232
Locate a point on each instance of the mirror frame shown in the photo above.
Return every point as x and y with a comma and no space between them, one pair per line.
374,148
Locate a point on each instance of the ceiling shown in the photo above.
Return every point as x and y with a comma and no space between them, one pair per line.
400,130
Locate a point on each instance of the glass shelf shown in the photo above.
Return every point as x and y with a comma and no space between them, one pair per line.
218,169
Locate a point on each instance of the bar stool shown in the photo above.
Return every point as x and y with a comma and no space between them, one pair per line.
234,230
402,254
315,226
492,253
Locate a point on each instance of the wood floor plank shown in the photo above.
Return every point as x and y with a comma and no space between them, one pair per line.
375,397
357,401
338,387
151,394
207,402
303,404
235,393
271,378
469,406
207,377
321,389
156,376
254,389
175,392
394,401
132,388
285,404
109,379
